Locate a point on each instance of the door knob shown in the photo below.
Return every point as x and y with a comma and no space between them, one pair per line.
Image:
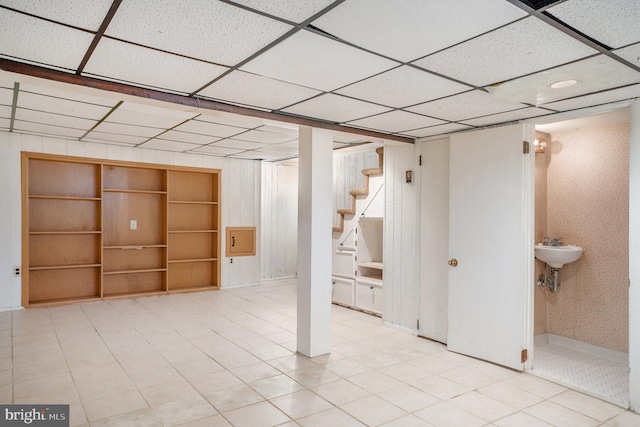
453,262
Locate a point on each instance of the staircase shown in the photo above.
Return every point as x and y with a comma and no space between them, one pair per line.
361,191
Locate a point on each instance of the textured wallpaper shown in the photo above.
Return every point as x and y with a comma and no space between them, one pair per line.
540,295
588,205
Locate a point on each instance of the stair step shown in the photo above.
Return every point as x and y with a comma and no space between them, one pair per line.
359,192
337,229
372,172
347,211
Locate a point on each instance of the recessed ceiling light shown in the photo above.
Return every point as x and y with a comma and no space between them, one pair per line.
562,83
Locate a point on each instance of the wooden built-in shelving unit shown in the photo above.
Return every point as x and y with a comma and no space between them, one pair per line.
100,229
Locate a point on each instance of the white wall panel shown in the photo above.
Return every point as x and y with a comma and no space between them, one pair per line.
401,240
279,220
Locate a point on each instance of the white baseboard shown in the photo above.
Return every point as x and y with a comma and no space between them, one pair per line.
582,347
400,328
11,309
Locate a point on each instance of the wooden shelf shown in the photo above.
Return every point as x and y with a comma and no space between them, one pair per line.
193,289
189,202
121,190
192,231
97,229
54,232
82,199
135,247
58,301
61,267
174,261
148,270
131,294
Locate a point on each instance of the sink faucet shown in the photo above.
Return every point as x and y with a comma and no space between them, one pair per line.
556,242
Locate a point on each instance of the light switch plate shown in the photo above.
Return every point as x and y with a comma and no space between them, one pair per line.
133,224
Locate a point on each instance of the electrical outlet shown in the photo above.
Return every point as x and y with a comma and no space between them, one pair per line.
16,271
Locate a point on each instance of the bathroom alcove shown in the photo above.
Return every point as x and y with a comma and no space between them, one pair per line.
582,195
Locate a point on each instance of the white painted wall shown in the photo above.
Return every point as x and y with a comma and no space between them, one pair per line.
401,239
634,256
240,199
279,220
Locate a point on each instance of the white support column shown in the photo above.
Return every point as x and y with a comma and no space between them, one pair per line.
315,202
634,256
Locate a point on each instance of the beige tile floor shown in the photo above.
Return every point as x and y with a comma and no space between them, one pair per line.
227,358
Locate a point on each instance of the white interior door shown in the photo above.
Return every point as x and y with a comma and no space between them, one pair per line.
491,238
434,241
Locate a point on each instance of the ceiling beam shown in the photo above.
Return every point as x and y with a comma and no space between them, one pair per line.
59,76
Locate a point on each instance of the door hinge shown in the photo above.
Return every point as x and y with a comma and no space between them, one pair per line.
420,160
525,147
418,324
523,356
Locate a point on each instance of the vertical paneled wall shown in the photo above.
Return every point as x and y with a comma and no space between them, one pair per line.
401,238
241,208
279,220
241,189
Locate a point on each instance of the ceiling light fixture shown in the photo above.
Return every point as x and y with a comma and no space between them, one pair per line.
563,83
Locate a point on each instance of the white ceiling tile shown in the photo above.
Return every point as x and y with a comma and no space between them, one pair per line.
209,129
5,111
251,89
5,123
61,106
191,138
236,143
520,48
79,13
349,138
629,92
54,119
268,154
291,10
265,137
44,129
402,86
630,53
131,130
284,128
222,117
335,108
144,115
212,149
612,22
465,106
204,29
70,92
411,29
593,74
6,96
510,116
396,121
159,144
106,137
24,37
437,130
317,62
149,68
247,155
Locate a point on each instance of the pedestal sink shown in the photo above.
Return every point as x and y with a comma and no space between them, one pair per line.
557,256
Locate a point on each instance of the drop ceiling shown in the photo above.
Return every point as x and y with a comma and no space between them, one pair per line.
236,78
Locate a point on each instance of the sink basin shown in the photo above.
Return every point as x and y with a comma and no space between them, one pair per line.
557,256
